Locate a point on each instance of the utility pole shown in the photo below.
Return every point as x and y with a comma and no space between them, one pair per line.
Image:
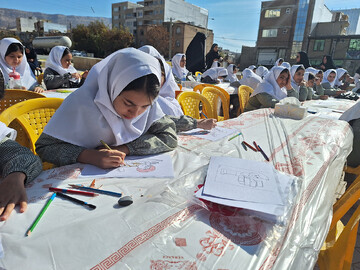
170,39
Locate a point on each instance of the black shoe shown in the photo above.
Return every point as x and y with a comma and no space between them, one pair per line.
2,85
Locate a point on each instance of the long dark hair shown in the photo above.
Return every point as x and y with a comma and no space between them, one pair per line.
66,52
14,47
148,84
304,59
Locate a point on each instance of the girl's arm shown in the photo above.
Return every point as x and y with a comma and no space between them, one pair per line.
53,80
161,137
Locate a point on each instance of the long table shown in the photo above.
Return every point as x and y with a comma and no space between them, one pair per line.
167,228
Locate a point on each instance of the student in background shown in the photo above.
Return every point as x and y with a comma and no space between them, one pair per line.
249,78
212,56
328,83
352,116
179,67
357,80
116,104
252,68
327,63
262,71
274,88
311,81
18,166
12,57
286,65
319,75
31,57
166,99
231,77
302,59
297,81
59,72
195,60
343,79
279,62
214,75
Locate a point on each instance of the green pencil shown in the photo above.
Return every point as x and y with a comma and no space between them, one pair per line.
41,214
233,137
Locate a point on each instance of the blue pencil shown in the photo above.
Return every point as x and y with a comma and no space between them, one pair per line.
95,190
204,115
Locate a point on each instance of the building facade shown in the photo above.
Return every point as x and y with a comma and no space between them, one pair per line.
354,20
43,26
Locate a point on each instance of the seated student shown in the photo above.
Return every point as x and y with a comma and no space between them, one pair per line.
297,81
31,57
59,73
357,80
352,116
178,67
319,75
262,71
167,101
250,78
328,83
116,104
343,79
275,87
12,56
279,62
231,77
214,75
310,80
252,68
18,166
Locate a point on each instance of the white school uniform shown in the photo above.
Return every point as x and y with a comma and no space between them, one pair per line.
249,78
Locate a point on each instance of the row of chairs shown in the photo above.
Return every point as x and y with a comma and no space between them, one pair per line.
208,96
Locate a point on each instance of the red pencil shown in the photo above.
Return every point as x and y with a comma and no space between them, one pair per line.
248,145
257,147
72,191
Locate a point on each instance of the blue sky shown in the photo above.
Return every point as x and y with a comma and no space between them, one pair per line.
234,22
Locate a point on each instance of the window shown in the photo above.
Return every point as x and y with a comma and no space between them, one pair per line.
116,9
270,13
178,30
354,49
116,17
288,10
177,43
319,45
140,14
269,33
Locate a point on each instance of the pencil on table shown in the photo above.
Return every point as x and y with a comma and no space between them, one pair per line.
40,214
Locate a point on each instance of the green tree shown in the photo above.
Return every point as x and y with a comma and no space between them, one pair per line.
97,38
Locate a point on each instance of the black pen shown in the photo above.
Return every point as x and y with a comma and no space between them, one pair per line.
62,195
263,153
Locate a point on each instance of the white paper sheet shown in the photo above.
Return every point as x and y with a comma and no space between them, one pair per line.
214,134
136,167
325,113
241,179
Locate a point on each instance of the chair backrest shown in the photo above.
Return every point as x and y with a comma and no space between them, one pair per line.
31,116
13,96
338,249
190,104
212,94
244,93
199,87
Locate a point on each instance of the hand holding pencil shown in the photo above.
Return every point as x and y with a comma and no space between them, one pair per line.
102,158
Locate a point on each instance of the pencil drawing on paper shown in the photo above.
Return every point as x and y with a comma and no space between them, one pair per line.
145,166
240,177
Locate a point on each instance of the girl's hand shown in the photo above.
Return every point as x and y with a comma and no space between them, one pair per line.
303,83
288,85
324,97
75,75
84,75
206,123
103,158
38,89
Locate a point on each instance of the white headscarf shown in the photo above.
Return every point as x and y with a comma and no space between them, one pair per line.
339,73
215,64
27,76
312,70
262,71
352,113
7,132
292,74
277,62
270,86
176,68
166,99
326,74
214,73
249,78
252,67
54,62
286,65
231,77
88,116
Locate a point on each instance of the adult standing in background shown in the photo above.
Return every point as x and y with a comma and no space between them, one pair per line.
327,63
302,59
195,60
212,56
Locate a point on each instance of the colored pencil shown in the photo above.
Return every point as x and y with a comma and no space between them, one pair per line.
41,214
204,115
233,137
263,153
105,144
248,145
243,145
100,191
72,199
73,191
256,146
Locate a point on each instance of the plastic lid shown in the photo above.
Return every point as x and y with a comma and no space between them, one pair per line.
15,75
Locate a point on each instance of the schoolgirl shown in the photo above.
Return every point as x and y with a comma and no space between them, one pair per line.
250,78
297,81
214,75
179,67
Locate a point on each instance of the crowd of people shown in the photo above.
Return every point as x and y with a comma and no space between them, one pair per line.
128,100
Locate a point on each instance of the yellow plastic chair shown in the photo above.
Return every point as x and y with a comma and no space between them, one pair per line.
200,87
213,95
190,104
13,96
31,116
40,78
244,93
338,249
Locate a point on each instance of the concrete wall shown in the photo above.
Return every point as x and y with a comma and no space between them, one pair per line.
85,63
